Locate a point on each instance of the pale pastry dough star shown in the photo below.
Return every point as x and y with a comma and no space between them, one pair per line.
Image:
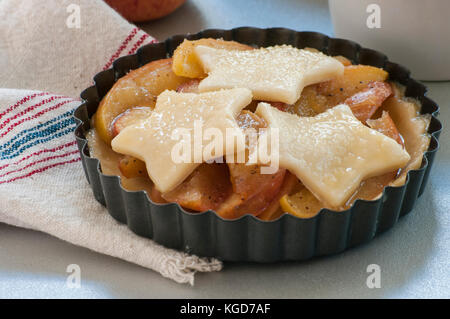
276,74
332,152
151,140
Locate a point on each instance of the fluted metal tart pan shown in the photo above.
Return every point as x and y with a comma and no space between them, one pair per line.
248,238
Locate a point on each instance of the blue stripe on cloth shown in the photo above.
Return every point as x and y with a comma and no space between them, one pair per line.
52,131
41,125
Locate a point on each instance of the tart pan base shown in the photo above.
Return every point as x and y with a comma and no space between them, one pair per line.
248,238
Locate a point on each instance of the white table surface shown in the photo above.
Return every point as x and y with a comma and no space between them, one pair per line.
414,256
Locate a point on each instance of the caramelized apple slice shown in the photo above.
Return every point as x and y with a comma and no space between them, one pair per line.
319,97
386,125
130,117
284,107
189,87
138,88
273,211
131,167
302,204
355,78
311,102
185,62
252,191
365,103
206,188
238,205
246,179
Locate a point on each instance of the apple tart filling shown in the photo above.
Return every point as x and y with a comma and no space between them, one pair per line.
345,131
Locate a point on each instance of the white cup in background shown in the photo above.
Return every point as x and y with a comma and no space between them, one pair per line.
414,33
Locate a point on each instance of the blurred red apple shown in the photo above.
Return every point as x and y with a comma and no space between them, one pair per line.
144,10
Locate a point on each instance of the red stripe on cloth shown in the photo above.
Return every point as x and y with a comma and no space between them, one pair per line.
31,108
121,48
40,170
138,44
39,161
9,129
22,101
49,150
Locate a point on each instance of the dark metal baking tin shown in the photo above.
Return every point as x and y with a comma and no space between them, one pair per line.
248,238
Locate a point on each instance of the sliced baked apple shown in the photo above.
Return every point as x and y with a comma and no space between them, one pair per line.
302,204
256,201
189,87
253,192
319,97
130,117
273,211
185,62
206,188
365,103
355,79
386,125
131,167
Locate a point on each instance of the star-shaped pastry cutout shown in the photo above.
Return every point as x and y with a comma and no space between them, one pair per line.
332,152
276,74
157,140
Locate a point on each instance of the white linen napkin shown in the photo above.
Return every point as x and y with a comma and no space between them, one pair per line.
49,52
